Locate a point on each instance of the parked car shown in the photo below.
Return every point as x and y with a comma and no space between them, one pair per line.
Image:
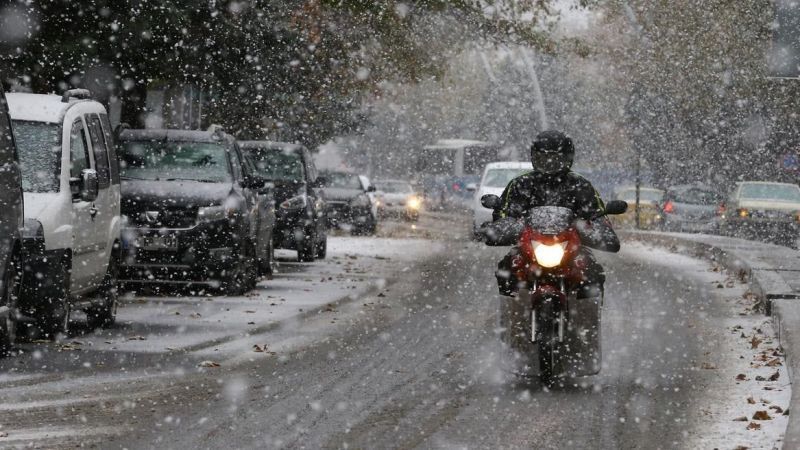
301,216
72,223
11,222
397,198
194,211
649,213
763,210
350,201
691,208
494,180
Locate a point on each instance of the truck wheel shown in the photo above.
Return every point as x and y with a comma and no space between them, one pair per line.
12,284
54,313
104,313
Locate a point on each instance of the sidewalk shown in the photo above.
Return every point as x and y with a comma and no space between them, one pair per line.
773,273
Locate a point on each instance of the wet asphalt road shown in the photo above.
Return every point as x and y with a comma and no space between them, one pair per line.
418,369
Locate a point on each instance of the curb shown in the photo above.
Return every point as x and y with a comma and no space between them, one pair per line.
769,287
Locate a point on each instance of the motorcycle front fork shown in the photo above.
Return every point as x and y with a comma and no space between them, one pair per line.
562,322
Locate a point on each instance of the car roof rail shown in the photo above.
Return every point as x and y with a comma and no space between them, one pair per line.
80,94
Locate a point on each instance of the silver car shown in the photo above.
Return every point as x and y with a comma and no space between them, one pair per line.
763,210
693,208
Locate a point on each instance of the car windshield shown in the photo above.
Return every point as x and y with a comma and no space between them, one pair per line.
39,148
343,180
501,177
696,197
773,192
276,163
171,160
645,195
394,187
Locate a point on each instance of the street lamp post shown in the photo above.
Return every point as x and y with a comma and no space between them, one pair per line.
638,184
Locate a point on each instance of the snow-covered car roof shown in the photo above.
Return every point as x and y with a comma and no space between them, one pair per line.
173,135
41,107
509,165
286,146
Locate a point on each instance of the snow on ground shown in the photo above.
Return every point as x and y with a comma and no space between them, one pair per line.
753,389
57,376
194,323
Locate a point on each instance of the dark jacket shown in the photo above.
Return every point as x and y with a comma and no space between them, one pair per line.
568,190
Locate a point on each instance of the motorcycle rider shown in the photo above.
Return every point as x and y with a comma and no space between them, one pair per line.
552,183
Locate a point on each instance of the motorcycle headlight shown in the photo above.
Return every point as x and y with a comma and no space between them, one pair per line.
360,201
549,256
211,213
297,202
414,202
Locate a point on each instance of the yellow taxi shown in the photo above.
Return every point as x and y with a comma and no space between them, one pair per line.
649,211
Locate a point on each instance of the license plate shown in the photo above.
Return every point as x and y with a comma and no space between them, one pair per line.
157,242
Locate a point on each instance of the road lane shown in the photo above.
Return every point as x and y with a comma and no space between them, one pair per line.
419,368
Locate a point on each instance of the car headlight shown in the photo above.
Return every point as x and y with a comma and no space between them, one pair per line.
297,202
413,202
211,213
360,201
549,256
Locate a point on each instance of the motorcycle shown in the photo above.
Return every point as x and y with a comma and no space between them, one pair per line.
546,324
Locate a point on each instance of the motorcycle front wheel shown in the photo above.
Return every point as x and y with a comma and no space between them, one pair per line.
547,338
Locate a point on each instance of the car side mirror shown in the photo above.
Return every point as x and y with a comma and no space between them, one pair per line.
472,187
615,207
491,201
89,185
371,188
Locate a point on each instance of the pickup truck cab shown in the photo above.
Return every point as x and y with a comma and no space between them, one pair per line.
70,181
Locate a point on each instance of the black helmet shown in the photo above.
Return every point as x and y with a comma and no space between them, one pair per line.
552,152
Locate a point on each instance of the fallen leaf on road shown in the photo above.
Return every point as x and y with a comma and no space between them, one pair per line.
761,415
742,447
195,315
777,409
753,426
708,366
774,376
760,378
755,342
258,348
137,338
751,400
741,377
250,311
740,419
208,364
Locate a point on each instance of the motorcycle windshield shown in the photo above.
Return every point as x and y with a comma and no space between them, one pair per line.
550,219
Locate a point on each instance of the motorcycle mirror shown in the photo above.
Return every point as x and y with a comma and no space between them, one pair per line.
491,201
615,207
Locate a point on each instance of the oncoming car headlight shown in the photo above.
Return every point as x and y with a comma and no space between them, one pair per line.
414,202
549,256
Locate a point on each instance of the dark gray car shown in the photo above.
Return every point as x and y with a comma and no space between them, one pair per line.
193,210
11,223
693,208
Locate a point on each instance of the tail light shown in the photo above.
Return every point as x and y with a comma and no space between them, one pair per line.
721,210
669,207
